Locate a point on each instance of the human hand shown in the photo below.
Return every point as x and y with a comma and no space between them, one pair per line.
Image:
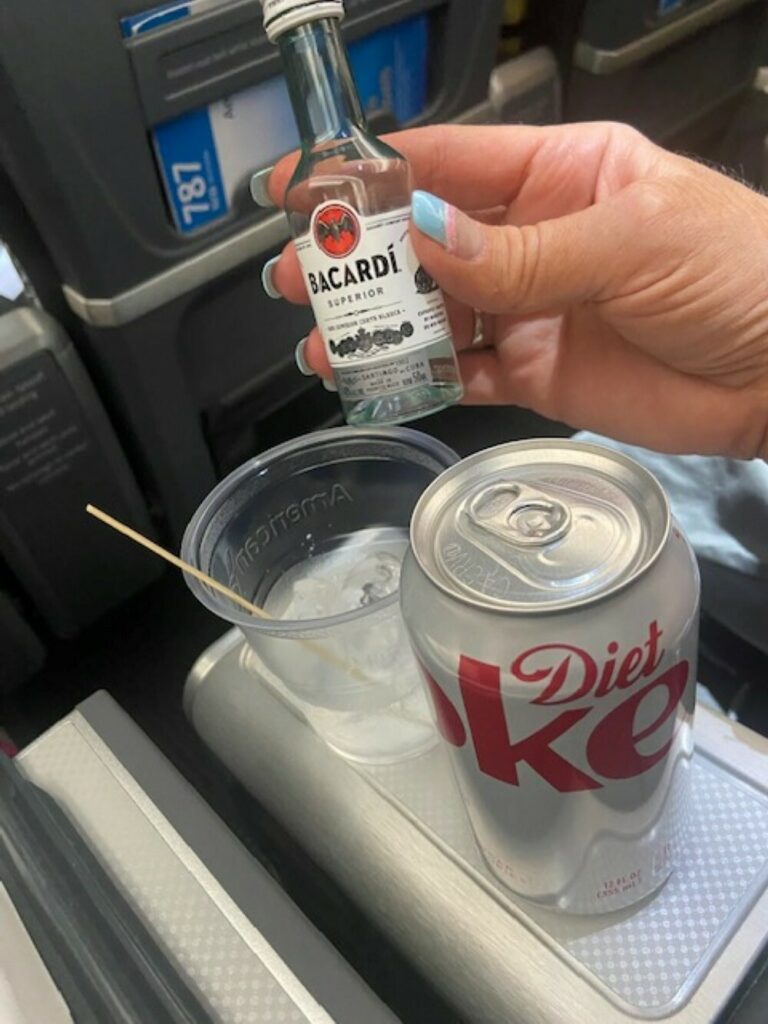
624,289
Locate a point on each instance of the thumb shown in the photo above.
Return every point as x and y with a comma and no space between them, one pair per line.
531,269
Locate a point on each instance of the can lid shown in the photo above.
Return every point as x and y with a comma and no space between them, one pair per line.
282,15
539,526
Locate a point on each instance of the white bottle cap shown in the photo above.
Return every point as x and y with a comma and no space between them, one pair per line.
282,15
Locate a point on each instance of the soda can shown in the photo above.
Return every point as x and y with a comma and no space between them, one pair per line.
552,602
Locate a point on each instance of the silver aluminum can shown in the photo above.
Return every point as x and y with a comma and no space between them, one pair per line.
553,604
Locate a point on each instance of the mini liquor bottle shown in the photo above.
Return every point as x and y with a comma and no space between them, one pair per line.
382,317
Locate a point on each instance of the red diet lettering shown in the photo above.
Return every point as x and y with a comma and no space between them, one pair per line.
559,664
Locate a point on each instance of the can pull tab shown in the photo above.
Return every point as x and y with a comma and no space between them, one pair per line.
518,514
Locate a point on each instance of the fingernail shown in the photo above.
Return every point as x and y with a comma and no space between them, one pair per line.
457,233
301,359
260,188
430,215
329,385
267,278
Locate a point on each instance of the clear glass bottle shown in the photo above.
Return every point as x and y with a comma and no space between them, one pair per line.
382,317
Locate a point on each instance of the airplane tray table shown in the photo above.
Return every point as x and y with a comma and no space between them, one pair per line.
244,951
397,840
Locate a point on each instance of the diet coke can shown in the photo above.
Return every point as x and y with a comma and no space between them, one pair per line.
552,602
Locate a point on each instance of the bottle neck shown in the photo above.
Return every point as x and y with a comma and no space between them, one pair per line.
323,92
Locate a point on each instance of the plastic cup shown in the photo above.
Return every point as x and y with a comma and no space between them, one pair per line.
322,523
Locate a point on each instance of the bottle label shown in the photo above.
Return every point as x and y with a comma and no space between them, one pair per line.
372,300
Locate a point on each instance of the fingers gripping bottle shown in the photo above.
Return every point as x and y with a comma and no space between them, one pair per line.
382,317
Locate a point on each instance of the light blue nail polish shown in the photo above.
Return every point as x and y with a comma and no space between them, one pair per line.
430,215
329,385
267,281
301,359
260,188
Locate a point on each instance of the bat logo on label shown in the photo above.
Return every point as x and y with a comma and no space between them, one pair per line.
337,230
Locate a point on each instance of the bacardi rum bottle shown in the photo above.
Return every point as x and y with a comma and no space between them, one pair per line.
382,317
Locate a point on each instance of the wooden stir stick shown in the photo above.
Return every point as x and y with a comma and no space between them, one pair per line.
221,588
